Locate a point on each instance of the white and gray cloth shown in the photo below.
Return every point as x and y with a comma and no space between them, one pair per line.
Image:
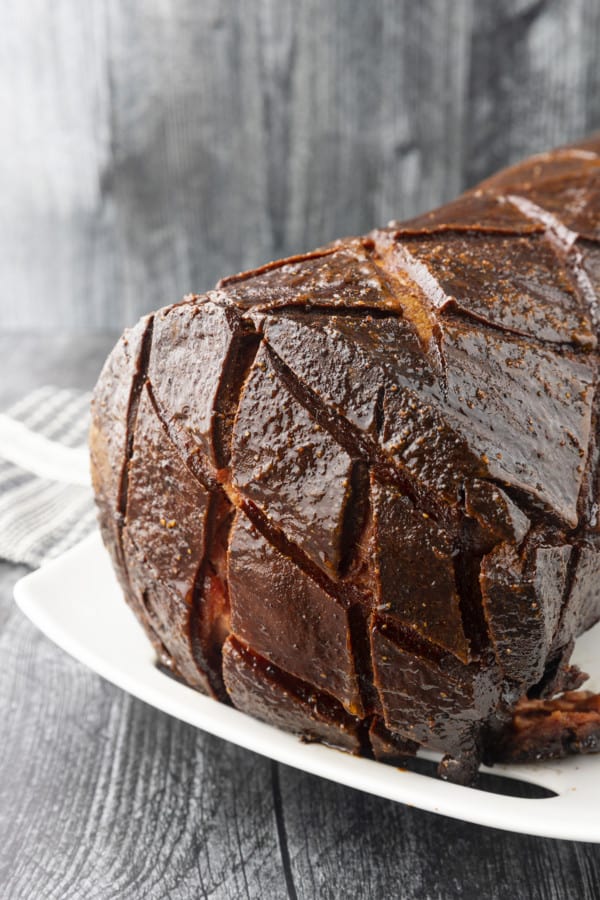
46,503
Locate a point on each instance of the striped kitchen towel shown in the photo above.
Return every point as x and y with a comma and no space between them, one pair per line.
46,502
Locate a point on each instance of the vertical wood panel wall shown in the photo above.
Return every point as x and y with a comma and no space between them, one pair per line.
150,146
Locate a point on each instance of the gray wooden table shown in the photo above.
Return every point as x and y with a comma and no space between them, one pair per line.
104,797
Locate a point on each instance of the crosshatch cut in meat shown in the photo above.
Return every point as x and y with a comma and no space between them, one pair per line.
354,493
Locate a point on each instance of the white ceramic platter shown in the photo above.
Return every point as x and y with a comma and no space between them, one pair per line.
76,601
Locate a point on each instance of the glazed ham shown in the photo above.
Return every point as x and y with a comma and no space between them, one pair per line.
354,493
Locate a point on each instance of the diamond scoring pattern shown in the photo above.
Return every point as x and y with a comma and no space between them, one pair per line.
294,466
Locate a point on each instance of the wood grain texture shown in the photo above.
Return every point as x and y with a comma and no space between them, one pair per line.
103,797
148,148
534,80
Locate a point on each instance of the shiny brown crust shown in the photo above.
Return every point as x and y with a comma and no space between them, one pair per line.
355,492
551,729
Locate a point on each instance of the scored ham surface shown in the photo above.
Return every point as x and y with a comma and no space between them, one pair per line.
355,492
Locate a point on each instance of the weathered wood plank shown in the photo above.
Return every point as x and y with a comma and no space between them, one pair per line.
346,844
534,80
103,797
151,148
28,361
56,252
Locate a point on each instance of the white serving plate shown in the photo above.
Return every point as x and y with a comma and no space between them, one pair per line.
76,601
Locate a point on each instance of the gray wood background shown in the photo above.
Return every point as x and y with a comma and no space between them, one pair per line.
148,147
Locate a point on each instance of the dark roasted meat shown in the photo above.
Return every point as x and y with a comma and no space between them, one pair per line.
355,492
551,729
